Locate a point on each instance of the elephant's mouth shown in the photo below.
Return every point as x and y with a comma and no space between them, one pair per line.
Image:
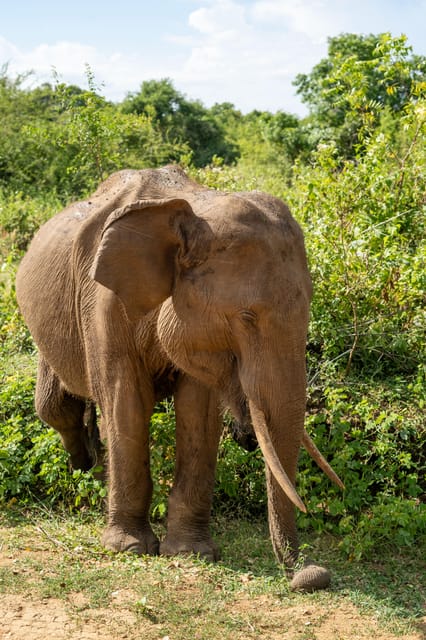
241,429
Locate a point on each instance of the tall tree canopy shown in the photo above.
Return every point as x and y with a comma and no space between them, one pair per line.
362,79
182,120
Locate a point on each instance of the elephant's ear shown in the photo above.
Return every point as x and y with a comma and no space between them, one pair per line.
141,246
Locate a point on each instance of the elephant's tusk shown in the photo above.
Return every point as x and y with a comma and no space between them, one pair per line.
271,458
316,454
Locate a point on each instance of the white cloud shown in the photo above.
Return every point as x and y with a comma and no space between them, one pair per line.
220,45
222,17
67,55
238,56
8,51
315,19
115,73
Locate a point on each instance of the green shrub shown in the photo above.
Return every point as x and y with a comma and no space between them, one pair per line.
21,216
364,223
391,523
14,335
162,442
375,439
33,463
240,480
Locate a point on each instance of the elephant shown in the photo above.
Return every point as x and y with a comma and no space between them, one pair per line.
157,286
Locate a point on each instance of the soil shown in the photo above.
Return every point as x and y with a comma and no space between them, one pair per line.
29,619
241,615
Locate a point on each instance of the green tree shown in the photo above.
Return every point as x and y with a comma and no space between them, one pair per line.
66,140
268,143
364,80
18,107
287,135
182,120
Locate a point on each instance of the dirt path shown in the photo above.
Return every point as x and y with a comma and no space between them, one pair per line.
27,619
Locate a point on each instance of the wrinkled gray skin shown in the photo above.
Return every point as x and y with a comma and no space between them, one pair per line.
155,286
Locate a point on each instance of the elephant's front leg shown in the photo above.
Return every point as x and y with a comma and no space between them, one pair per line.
126,421
198,429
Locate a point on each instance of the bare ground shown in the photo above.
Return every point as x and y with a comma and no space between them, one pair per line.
185,601
28,619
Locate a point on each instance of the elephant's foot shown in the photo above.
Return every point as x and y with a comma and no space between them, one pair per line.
175,545
140,542
310,578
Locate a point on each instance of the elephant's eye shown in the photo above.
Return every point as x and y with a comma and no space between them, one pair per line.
248,316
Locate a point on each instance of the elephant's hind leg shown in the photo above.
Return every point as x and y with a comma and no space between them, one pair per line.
67,414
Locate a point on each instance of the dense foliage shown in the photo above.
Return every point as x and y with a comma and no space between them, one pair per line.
364,79
353,174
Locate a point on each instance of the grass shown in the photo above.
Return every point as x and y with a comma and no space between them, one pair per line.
55,556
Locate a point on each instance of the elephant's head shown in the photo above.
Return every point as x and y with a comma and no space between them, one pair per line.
234,290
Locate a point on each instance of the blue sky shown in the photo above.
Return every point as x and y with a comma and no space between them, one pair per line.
246,52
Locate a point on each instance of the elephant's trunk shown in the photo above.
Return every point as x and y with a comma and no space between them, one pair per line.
271,457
